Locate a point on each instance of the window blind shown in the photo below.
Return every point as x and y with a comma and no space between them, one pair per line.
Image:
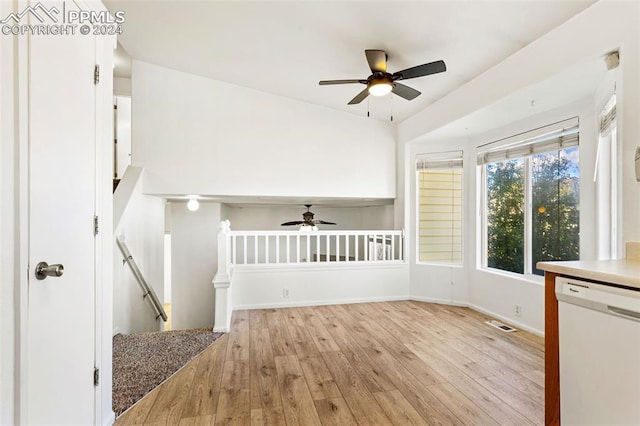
549,138
440,207
608,117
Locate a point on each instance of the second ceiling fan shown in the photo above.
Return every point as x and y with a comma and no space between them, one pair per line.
380,82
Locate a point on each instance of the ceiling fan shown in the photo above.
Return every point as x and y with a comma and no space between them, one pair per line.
380,82
307,220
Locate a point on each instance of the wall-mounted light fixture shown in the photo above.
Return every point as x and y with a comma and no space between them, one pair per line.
193,204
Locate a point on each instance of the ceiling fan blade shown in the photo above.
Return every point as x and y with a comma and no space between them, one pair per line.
328,82
323,222
406,92
359,97
377,60
420,70
296,222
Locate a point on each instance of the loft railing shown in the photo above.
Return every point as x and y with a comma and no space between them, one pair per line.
314,247
147,290
238,249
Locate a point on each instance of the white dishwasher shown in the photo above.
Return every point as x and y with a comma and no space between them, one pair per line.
599,332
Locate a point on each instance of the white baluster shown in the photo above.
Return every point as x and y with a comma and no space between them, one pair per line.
384,246
277,248
357,249
244,248
233,249
298,248
375,247
266,249
346,248
288,249
393,247
337,248
308,248
328,255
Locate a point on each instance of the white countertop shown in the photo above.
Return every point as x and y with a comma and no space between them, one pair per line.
624,272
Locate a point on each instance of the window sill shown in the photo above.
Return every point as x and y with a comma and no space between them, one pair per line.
530,278
441,265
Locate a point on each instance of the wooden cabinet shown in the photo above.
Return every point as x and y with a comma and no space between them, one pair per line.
551,352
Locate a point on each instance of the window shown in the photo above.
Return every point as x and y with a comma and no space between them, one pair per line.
439,178
531,188
606,183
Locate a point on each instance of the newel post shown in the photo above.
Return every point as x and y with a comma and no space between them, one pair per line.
222,280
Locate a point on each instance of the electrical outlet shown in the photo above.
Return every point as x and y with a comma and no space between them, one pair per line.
517,310
285,293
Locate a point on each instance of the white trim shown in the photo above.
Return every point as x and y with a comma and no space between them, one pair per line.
530,278
319,266
109,419
507,320
492,314
22,118
323,303
439,301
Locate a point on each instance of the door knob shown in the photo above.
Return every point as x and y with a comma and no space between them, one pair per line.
44,270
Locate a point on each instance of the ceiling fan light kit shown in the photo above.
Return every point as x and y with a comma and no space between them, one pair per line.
380,87
380,82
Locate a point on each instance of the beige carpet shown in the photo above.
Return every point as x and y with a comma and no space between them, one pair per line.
143,361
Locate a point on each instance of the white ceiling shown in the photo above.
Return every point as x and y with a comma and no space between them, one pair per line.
285,48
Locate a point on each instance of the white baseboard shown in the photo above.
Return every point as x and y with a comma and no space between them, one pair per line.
293,304
321,302
502,318
109,419
220,330
508,320
439,301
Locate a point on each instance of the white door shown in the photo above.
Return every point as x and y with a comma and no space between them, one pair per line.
62,188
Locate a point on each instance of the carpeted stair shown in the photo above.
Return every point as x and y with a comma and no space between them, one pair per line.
142,361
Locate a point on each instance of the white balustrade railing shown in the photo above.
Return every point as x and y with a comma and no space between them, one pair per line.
246,248
318,247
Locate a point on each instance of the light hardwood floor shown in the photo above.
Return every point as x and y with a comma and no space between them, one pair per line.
371,364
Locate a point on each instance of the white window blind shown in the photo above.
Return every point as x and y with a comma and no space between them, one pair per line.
440,207
549,138
608,117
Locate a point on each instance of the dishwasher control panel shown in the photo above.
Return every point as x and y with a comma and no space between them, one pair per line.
610,299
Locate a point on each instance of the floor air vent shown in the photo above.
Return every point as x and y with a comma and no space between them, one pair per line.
501,326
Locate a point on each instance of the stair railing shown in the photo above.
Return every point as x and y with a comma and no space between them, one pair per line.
146,288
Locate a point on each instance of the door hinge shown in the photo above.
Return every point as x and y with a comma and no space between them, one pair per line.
96,225
96,74
96,376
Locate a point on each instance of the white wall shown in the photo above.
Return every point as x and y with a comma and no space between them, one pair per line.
141,223
250,218
493,292
121,86
497,293
194,254
262,287
123,133
239,141
604,27
437,283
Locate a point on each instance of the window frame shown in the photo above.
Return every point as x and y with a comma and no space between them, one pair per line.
528,270
444,157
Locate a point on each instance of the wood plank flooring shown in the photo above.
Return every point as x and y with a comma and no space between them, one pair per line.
388,363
